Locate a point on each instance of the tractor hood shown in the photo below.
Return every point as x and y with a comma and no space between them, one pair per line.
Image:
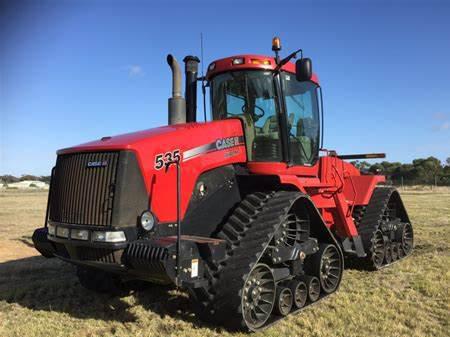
183,135
200,147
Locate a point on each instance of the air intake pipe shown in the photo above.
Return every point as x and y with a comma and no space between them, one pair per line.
191,70
177,104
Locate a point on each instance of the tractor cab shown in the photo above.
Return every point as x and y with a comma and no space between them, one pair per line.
278,108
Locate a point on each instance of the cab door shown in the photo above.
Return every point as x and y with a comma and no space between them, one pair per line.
302,111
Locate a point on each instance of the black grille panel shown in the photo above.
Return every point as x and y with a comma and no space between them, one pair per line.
83,194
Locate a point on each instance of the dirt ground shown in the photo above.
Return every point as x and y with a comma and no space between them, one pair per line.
42,297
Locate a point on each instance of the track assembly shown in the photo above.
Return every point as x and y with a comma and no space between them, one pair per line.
251,289
385,229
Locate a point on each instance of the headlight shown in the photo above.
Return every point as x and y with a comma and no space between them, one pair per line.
51,229
109,236
148,220
80,234
62,232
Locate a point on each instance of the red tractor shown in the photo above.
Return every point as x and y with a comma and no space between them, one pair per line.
241,211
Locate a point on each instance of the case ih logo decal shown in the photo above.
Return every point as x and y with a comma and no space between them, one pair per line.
220,144
225,143
97,163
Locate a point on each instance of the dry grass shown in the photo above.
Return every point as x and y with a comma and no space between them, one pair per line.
42,297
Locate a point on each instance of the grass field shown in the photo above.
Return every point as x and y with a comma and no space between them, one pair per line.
42,297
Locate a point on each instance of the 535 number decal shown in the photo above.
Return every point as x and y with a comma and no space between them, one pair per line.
163,158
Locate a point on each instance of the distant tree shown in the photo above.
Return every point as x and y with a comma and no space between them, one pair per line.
361,165
45,179
9,179
448,161
421,171
427,169
28,177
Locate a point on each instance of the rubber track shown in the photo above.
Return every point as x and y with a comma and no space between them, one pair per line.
252,225
372,219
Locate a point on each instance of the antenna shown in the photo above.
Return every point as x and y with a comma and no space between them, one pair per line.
203,77
201,50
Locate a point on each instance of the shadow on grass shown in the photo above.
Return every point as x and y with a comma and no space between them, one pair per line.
356,264
38,283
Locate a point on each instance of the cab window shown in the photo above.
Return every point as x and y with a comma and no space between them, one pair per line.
250,96
303,119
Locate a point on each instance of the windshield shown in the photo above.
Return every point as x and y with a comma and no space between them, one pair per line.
250,96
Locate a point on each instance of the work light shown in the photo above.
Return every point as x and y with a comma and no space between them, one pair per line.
147,220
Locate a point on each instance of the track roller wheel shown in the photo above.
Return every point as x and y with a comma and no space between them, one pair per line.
407,239
313,285
378,249
394,251
285,300
326,264
258,296
387,251
300,292
400,252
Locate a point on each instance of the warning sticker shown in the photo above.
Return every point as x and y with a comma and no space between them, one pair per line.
194,268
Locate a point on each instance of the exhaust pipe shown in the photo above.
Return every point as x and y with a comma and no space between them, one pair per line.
177,104
191,70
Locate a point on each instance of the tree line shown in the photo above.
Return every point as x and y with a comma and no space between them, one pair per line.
9,179
422,171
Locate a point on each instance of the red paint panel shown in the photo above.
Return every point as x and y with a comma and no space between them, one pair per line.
226,64
363,185
160,184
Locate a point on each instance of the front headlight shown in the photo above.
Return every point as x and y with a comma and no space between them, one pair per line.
51,229
62,232
148,220
118,236
79,234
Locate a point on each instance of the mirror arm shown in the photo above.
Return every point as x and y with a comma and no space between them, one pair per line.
288,58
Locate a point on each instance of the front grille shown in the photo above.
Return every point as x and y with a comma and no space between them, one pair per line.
83,193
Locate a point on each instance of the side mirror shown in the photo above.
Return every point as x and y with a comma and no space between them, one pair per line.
303,69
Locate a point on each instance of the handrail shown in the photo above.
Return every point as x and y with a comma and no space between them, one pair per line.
178,250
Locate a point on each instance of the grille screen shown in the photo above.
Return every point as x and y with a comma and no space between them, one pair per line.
83,188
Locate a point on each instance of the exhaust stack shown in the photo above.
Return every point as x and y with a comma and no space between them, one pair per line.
191,70
177,104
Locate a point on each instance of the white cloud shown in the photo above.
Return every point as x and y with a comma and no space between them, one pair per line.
134,70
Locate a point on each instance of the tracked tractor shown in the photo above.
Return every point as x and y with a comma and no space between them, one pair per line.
246,211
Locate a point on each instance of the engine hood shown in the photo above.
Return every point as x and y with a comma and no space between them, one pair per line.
199,146
132,140
182,134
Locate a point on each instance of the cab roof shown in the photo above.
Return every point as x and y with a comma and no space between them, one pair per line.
249,62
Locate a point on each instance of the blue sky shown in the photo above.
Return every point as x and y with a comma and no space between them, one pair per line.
71,72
